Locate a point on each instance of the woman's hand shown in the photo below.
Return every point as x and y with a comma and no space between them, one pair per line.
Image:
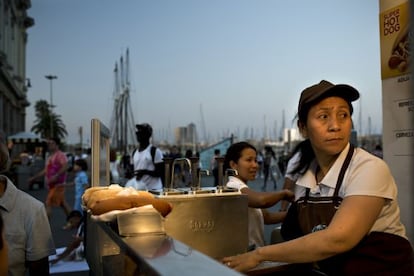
243,262
55,261
289,195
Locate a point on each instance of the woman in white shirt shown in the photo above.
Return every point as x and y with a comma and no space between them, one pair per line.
242,158
365,235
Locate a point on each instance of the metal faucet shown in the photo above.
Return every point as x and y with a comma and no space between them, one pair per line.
167,174
220,162
178,160
198,186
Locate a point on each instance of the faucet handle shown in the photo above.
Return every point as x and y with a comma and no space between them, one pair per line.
198,186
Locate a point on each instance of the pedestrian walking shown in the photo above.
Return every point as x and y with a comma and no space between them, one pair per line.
55,172
81,182
268,166
214,167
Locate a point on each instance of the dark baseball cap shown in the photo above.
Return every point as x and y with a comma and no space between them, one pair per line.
144,128
325,89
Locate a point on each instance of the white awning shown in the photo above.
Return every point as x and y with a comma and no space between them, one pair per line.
25,137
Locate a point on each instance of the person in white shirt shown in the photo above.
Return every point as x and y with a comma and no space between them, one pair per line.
147,170
241,157
26,225
365,236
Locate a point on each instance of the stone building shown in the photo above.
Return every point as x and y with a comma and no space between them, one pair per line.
14,84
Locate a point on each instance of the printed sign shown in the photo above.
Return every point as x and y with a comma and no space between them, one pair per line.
394,35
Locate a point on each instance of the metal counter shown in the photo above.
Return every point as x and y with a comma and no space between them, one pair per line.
108,253
212,223
199,231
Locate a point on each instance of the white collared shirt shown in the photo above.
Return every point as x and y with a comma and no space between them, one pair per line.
366,175
26,228
255,216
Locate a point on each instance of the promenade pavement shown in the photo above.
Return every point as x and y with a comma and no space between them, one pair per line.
63,237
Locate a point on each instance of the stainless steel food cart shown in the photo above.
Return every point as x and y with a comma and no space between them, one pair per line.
203,227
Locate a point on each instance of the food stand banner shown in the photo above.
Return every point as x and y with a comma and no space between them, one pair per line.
398,102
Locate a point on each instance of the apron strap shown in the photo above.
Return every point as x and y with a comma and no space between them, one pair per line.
343,169
341,173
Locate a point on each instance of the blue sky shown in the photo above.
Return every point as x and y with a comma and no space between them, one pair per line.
242,62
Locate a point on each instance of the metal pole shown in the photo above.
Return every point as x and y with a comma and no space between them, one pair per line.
51,78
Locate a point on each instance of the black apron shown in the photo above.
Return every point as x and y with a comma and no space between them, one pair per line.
377,253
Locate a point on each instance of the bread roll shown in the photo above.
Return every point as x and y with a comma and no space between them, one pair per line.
130,201
94,193
101,195
88,192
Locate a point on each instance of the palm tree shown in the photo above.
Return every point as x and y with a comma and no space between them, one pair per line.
45,118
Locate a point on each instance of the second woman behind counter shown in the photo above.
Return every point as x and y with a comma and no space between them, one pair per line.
242,158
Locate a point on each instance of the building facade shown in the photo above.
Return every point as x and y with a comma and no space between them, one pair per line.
186,137
14,23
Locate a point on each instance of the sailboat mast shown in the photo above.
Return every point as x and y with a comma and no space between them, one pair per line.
122,121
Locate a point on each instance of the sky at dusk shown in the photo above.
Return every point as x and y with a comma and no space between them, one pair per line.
232,66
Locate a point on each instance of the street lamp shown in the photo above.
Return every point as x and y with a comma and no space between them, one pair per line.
51,78
28,83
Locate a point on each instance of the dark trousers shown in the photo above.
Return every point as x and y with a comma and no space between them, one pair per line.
216,176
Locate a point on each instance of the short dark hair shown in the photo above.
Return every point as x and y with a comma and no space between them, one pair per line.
56,140
144,128
82,163
74,213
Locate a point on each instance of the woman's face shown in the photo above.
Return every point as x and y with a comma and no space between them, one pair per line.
51,145
328,126
246,166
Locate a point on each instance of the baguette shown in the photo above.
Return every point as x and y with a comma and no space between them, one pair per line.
101,195
88,192
102,206
94,193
